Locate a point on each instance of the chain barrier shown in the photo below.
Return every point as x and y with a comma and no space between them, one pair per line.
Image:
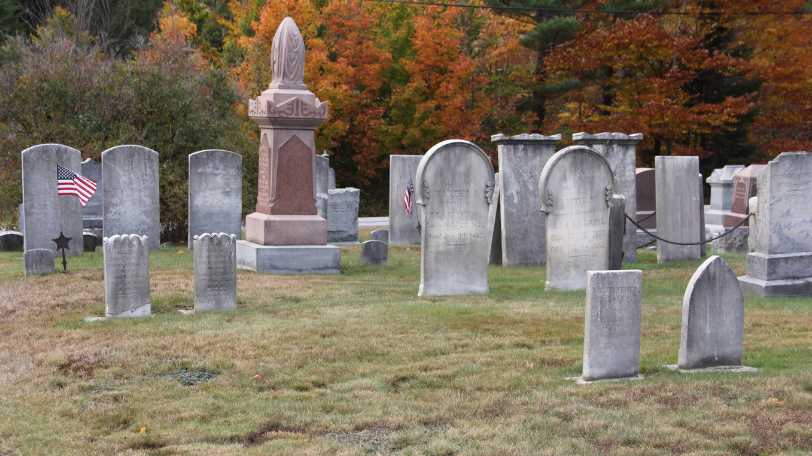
656,238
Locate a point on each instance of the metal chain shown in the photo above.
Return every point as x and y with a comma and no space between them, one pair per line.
686,243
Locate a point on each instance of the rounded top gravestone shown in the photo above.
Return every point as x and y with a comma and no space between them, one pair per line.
215,193
130,175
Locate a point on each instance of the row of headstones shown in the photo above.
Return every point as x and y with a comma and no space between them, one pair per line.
339,206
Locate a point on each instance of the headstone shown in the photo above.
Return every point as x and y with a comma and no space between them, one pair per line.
712,318
90,240
215,271
703,248
744,187
495,223
44,212
620,151
374,252
721,184
11,241
38,261
576,189
403,227
93,212
782,262
734,242
322,184
126,276
678,215
342,215
380,235
215,193
454,186
131,204
331,181
614,305
646,198
521,160
617,227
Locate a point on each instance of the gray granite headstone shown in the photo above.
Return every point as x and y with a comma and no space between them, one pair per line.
42,207
403,227
521,160
712,318
617,228
126,276
678,214
576,189
646,198
215,193
90,241
130,175
11,241
454,188
342,214
614,305
721,184
374,252
215,271
38,261
93,211
495,223
381,235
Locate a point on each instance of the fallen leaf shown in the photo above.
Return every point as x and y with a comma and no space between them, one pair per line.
143,430
529,364
256,377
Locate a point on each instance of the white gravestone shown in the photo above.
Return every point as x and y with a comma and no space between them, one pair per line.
126,276
215,193
43,208
130,175
215,271
38,262
721,184
454,187
614,306
576,189
402,226
521,160
342,215
678,201
93,212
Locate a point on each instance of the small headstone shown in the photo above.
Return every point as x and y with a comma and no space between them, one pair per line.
646,198
381,235
215,193
38,262
744,187
11,241
576,193
342,214
495,223
374,252
712,318
322,173
734,242
126,276
614,304
454,188
403,226
130,175
678,213
617,227
215,271
89,240
93,212
721,184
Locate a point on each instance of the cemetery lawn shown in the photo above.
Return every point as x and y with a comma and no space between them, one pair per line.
357,364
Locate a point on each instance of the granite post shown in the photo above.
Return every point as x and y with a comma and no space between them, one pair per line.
403,227
215,271
678,215
131,202
126,276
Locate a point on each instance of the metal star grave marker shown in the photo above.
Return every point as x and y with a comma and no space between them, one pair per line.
62,243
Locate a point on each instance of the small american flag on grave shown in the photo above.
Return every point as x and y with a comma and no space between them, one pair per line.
70,183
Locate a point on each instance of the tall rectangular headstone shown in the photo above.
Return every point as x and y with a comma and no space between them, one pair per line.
744,188
131,204
646,198
45,213
215,193
215,271
521,160
342,214
403,227
93,212
614,307
126,276
454,187
677,207
721,184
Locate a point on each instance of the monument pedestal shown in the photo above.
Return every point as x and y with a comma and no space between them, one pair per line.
289,259
279,230
786,274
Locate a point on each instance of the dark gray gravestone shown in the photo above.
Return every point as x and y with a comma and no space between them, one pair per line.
381,235
90,241
11,241
495,223
93,212
374,252
215,193
215,272
130,175
617,228
39,261
126,276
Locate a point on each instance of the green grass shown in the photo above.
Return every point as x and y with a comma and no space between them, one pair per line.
357,364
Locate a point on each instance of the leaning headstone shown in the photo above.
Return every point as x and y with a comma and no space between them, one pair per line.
130,175
617,227
380,235
734,242
46,213
342,215
38,262
11,241
614,305
521,160
712,318
92,213
782,262
126,276
215,271
495,223
721,184
90,240
744,187
403,226
374,252
215,193
576,189
678,215
646,198
454,186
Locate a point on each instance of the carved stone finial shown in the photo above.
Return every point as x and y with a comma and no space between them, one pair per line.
288,54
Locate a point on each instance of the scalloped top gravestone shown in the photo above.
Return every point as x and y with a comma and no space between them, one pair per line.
130,175
126,276
215,271
215,193
454,188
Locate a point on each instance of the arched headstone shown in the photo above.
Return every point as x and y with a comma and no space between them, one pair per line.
131,204
215,193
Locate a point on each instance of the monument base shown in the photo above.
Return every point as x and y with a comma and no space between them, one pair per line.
704,370
581,381
289,259
786,274
285,230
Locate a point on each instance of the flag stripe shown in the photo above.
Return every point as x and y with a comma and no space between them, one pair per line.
70,183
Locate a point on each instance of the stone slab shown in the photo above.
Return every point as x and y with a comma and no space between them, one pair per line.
495,224
779,266
403,227
215,193
581,381
374,253
215,271
126,276
264,229
617,230
38,262
646,197
93,212
290,259
778,287
380,235
342,214
11,241
706,370
678,216
130,195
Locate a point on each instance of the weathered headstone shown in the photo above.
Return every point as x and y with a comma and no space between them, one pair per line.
380,235
93,212
495,223
521,160
782,262
43,208
576,189
38,261
712,318
744,187
646,198
215,193
617,227
126,276
89,240
131,205
342,215
454,186
721,184
11,241
678,214
215,271
620,151
735,242
374,252
403,227
614,305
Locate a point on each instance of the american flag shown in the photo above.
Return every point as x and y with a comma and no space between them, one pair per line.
407,200
70,183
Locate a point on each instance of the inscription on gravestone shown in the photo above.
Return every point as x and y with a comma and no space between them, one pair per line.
126,276
215,272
